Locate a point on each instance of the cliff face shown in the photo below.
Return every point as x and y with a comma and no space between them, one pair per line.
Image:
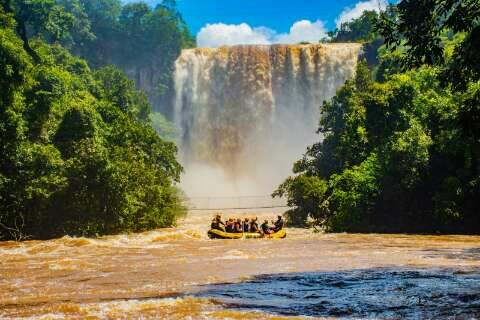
157,83
248,109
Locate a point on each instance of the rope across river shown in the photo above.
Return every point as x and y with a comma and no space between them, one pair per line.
240,208
222,203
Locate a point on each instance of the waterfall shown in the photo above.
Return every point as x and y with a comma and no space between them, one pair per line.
245,113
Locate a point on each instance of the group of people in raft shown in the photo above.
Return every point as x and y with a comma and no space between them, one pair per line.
246,225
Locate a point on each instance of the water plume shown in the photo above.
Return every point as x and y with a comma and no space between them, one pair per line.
246,113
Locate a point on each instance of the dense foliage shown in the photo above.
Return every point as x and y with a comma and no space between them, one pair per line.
79,155
401,153
361,29
142,41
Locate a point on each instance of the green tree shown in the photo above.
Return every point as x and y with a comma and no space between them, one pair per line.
79,155
419,27
361,29
38,17
142,41
401,154
392,159
116,87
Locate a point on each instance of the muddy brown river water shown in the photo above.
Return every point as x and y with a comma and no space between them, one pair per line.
179,273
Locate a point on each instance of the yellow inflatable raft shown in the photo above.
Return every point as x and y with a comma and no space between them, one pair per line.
217,234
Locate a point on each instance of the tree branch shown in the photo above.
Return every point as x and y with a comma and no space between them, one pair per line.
22,32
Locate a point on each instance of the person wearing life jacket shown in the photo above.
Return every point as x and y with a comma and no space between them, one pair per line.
278,224
230,226
265,227
217,223
246,225
238,226
254,225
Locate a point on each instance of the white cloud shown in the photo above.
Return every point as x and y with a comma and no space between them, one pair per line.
303,30
351,13
219,34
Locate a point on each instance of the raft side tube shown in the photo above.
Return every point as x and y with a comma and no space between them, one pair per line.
218,234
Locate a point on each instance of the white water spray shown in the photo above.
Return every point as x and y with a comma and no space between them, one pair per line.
246,113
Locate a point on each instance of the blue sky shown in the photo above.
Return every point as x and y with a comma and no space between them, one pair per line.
229,22
278,15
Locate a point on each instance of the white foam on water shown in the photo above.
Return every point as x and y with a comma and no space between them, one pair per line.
235,255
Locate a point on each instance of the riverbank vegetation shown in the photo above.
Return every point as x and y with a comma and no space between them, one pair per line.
79,153
400,146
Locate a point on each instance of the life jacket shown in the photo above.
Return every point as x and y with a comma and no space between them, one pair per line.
230,227
246,227
238,227
279,225
265,228
217,224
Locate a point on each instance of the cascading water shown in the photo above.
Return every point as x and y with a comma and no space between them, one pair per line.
246,113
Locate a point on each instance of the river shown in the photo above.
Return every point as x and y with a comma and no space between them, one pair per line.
179,273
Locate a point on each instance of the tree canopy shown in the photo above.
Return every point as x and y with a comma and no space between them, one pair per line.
142,41
400,151
361,29
79,155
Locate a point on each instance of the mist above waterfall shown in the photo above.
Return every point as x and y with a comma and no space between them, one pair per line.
246,113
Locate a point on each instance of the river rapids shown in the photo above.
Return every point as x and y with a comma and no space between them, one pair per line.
178,273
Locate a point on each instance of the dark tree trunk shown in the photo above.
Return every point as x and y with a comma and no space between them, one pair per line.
22,32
